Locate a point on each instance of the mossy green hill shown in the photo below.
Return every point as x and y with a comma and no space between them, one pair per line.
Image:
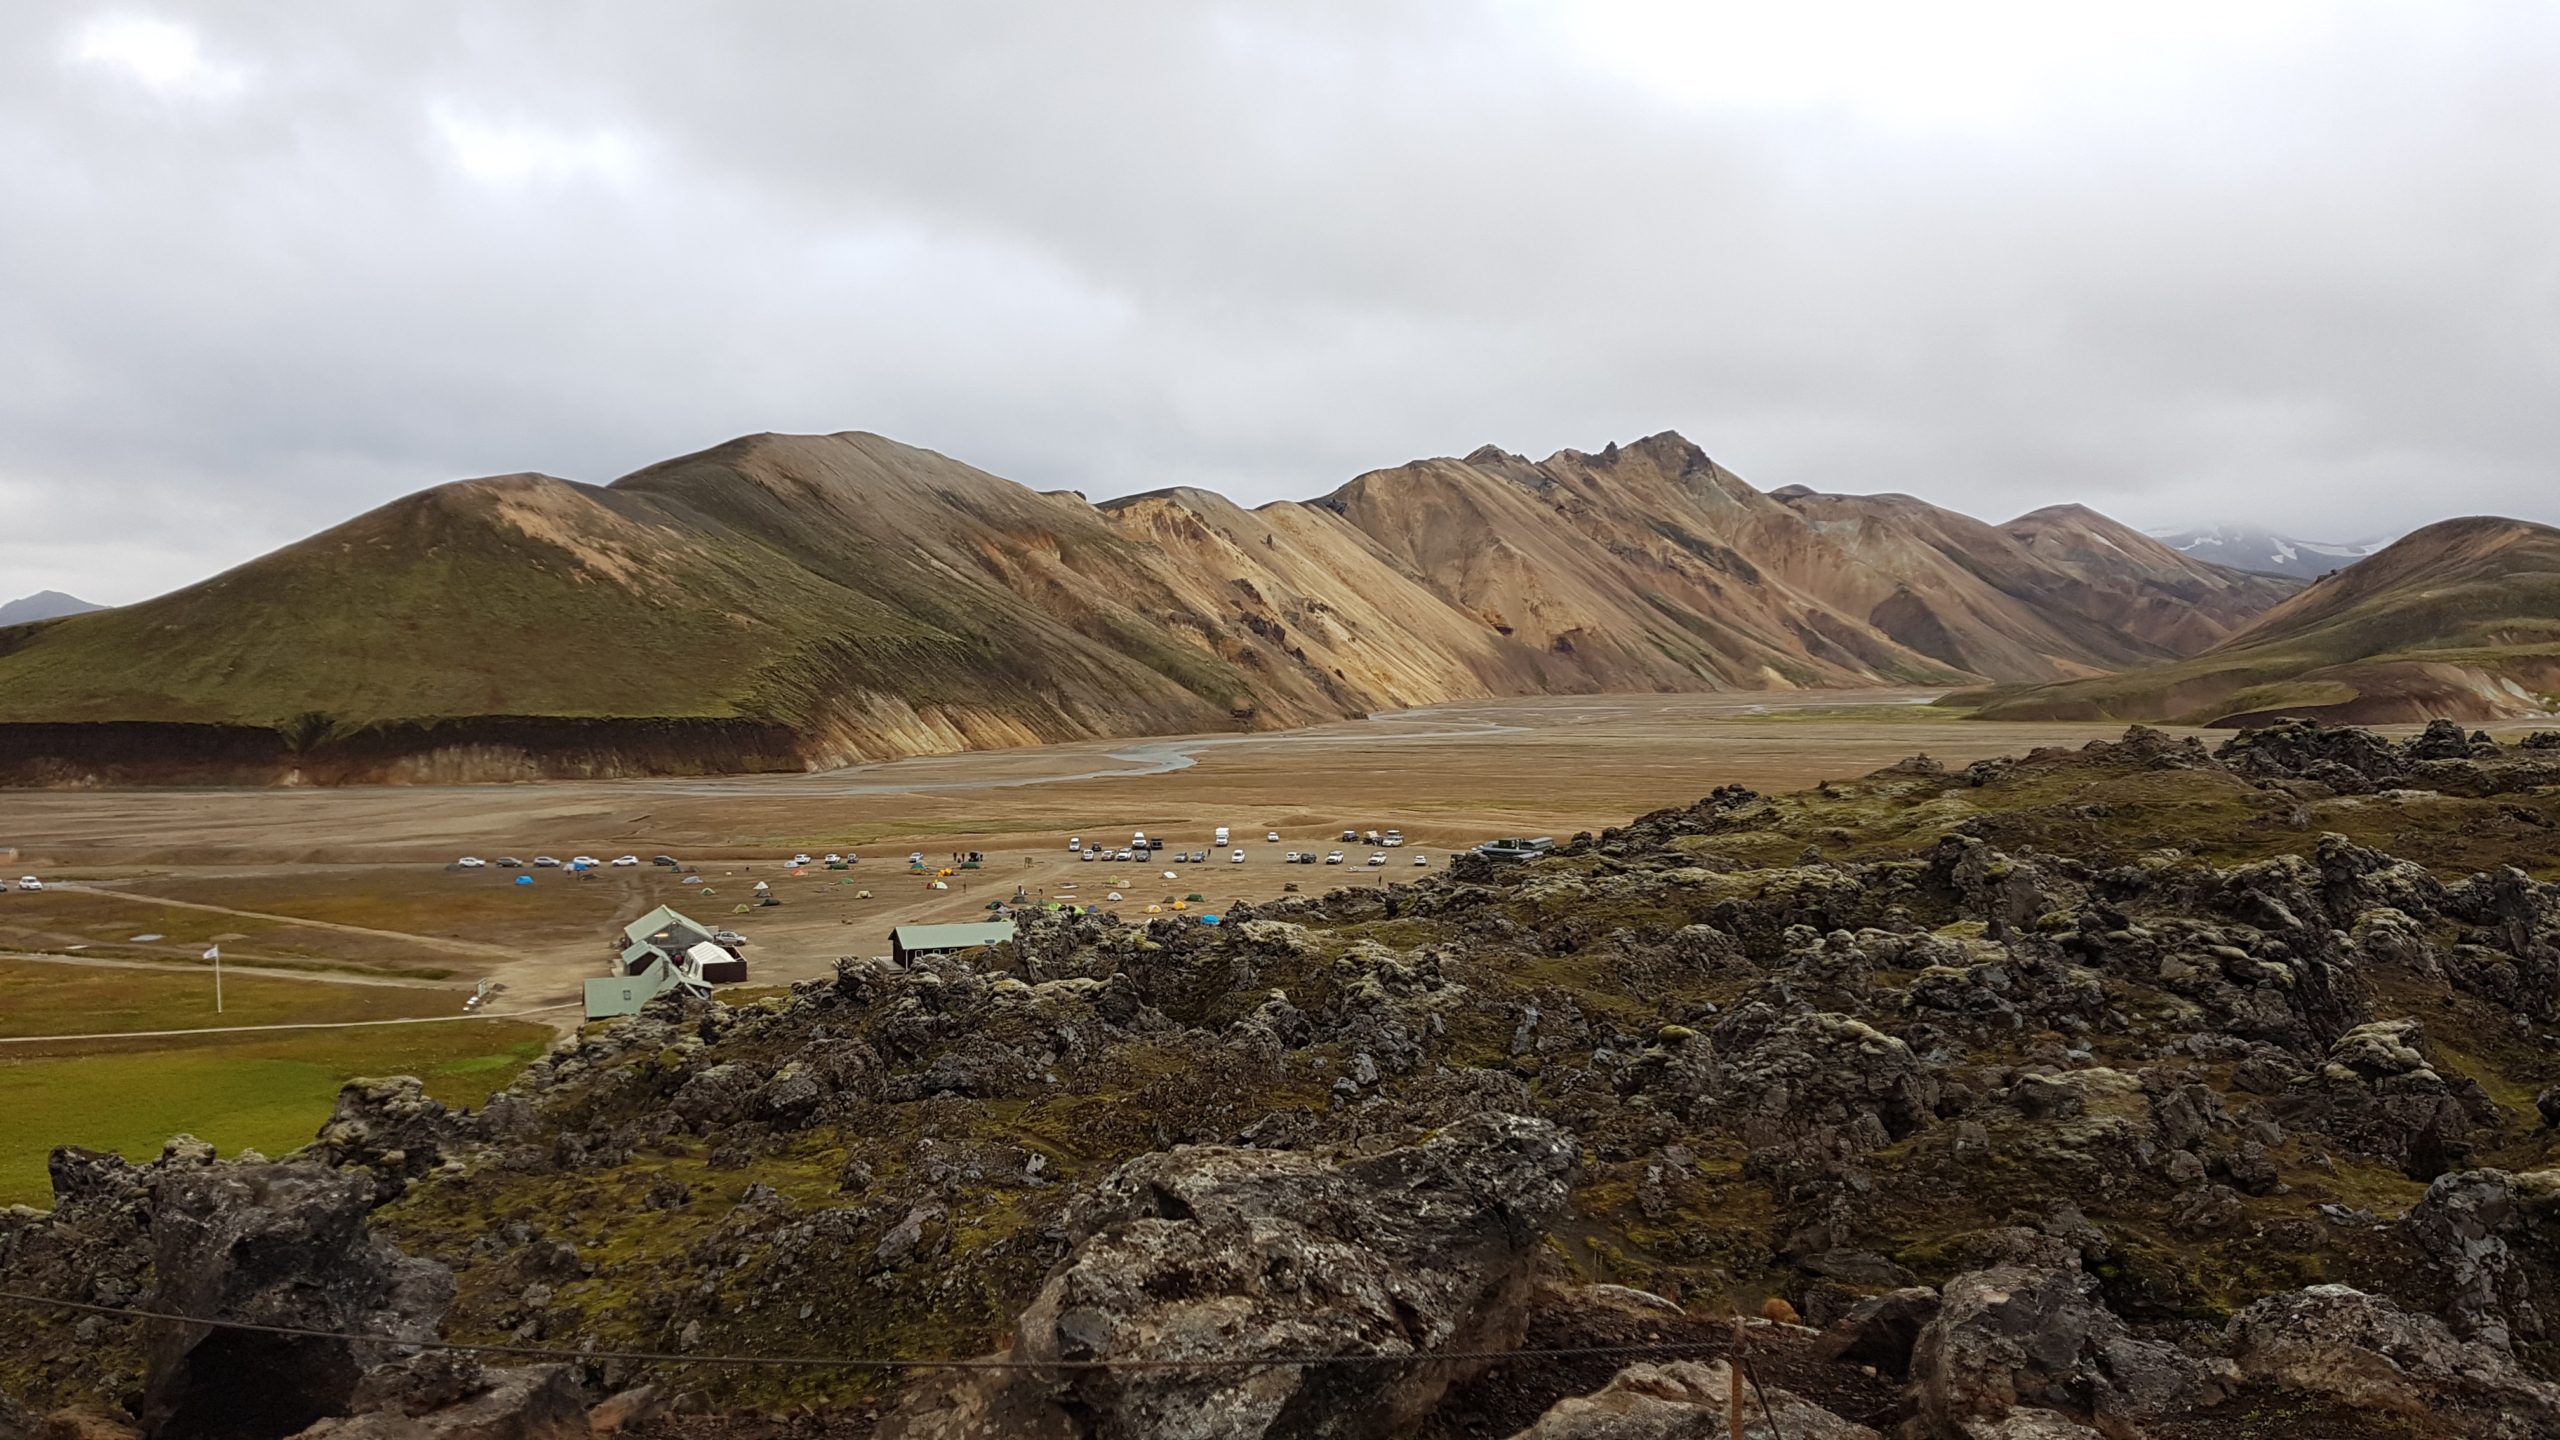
2460,619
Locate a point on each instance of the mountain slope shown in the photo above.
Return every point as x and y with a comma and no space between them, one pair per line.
2243,547
2152,592
1642,567
2049,595
44,605
2460,619
787,601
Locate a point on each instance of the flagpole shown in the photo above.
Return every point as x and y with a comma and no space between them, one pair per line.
214,954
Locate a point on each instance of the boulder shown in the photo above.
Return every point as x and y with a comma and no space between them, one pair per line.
2367,1352
389,1126
538,1402
1687,1400
2010,1338
2346,759
276,1244
719,1096
2470,1225
81,1425
626,1408
2031,1425
2380,1095
2445,740
1882,1329
1815,1076
1212,1251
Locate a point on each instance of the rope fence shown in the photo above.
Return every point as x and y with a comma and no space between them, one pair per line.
871,1362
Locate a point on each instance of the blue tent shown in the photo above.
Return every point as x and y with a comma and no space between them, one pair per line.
1208,919
524,879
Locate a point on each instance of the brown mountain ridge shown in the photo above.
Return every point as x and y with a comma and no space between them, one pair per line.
785,601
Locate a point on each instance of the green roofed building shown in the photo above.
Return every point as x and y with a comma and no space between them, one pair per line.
617,995
909,941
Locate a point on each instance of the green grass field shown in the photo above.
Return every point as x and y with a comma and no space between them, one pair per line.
262,1091
53,999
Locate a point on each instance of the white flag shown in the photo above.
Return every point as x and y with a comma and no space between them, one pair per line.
214,954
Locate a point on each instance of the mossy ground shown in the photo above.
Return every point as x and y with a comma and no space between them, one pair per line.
772,1247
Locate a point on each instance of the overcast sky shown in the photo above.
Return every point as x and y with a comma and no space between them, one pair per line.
264,267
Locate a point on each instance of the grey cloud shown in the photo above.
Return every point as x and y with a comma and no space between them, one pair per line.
1259,247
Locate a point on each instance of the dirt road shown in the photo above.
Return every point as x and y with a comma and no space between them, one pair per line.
317,977
544,1014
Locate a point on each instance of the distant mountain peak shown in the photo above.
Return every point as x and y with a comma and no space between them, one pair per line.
44,605
2250,547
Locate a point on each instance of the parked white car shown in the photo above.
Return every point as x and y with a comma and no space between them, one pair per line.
470,862
1335,858
1421,859
1235,857
29,882
800,859
1088,856
1075,842
1379,858
1271,837
587,860
546,862
626,860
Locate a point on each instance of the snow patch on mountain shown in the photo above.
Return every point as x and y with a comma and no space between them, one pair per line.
2245,547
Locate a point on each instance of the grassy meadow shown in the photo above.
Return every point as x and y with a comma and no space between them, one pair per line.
265,1091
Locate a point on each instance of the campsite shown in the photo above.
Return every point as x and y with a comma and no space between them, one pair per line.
348,905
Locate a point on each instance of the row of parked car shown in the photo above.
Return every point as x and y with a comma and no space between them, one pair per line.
1140,847
574,862
1336,857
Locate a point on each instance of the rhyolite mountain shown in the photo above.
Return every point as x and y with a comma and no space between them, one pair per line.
2460,619
785,601
2246,547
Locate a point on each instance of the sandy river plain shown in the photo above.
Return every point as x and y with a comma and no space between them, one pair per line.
342,905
